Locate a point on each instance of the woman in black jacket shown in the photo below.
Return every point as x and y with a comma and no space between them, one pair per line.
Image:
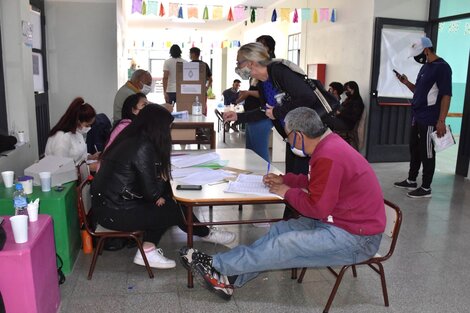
350,111
132,189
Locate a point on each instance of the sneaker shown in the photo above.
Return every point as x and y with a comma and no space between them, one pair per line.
213,280
420,193
406,184
155,258
190,255
219,236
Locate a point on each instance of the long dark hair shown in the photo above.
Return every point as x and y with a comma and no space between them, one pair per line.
154,123
78,112
129,104
354,86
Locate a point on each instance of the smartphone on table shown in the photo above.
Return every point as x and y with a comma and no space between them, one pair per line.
188,187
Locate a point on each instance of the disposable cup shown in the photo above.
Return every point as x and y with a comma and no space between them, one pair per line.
21,136
19,224
7,177
33,212
27,182
45,178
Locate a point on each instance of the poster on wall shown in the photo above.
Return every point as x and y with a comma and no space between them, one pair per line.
395,55
35,21
38,77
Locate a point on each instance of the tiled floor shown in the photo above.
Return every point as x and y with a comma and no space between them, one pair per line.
428,272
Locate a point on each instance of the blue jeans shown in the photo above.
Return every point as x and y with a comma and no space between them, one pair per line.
296,243
257,137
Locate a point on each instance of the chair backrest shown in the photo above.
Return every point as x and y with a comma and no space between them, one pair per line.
393,223
84,201
219,115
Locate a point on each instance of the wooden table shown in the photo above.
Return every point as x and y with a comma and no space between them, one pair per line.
213,195
184,131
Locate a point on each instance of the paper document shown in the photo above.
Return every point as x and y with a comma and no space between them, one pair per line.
206,177
193,159
191,71
249,184
183,172
444,142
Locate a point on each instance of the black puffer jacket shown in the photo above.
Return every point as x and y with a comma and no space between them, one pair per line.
129,176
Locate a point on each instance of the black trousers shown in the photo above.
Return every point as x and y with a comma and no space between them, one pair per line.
422,152
154,220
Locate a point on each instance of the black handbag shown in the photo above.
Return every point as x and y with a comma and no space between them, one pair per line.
327,103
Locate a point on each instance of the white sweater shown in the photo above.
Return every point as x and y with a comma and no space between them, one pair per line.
67,145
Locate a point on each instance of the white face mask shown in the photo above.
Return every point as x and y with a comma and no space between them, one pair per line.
244,72
146,89
83,130
298,152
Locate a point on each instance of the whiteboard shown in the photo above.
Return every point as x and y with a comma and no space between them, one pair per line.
395,54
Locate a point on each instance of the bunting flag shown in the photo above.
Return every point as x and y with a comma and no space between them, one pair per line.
152,7
274,16
333,15
144,8
173,9
136,6
193,12
180,12
315,16
230,15
261,14
168,44
306,14
295,19
162,10
324,14
285,14
253,15
217,12
239,13
205,14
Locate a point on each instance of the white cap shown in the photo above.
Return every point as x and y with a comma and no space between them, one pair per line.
418,46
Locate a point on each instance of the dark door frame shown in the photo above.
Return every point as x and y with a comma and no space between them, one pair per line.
3,103
463,154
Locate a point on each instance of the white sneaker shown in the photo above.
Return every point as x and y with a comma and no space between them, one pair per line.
219,236
155,258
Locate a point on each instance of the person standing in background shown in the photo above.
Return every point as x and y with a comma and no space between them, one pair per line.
141,81
429,107
169,74
194,54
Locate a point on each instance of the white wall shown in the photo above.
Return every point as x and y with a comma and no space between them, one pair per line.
17,63
82,54
402,9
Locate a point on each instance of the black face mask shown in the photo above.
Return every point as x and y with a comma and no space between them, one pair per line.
420,58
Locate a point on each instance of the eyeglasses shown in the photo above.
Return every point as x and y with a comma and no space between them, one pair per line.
286,140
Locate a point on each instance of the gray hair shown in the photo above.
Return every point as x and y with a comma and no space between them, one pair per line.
254,52
305,120
138,75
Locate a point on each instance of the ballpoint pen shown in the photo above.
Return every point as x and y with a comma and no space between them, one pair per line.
269,167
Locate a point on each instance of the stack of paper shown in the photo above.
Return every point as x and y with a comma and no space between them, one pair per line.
188,160
249,184
443,142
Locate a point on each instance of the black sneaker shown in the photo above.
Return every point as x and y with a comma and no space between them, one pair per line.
190,255
406,184
213,280
420,193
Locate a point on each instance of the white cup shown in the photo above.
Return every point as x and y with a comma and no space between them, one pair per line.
21,136
33,209
19,224
7,177
45,181
27,185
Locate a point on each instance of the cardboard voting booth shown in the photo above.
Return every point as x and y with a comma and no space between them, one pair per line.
190,83
62,170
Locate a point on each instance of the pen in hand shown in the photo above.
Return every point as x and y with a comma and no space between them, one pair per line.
269,167
96,148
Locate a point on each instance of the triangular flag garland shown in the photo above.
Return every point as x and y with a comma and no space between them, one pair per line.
235,14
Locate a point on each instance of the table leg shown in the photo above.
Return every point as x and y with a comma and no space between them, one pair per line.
189,220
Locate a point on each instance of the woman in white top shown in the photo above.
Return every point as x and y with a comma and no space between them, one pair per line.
66,137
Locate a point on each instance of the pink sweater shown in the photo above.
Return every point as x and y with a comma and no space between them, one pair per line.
342,189
117,130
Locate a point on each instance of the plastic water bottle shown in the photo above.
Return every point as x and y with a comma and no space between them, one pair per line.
19,200
197,107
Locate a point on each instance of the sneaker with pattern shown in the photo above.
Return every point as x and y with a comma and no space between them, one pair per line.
212,280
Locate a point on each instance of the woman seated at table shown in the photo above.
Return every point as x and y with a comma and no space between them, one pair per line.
66,137
350,111
132,189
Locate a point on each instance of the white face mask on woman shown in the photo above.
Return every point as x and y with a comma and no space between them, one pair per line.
83,130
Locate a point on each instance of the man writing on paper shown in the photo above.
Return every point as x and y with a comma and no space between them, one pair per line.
429,107
341,206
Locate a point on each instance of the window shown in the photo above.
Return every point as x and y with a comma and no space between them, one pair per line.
293,48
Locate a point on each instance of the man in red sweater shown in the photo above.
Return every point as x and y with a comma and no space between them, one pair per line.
340,203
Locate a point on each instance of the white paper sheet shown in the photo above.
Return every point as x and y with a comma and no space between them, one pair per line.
202,178
191,71
249,184
183,172
444,142
190,89
193,159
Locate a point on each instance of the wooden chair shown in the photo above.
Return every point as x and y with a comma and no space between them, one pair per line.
392,228
101,233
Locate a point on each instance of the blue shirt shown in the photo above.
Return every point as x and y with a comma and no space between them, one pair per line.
434,81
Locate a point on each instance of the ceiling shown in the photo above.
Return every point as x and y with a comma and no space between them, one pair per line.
152,21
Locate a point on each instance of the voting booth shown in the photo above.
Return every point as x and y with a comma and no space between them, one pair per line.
190,83
62,170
